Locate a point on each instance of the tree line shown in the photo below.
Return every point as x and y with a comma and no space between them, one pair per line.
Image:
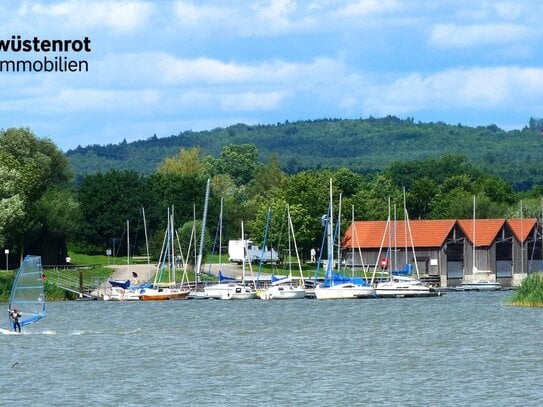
365,146
44,211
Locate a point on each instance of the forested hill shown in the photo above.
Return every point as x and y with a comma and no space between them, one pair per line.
364,145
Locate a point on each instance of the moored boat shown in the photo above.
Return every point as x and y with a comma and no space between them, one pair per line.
229,291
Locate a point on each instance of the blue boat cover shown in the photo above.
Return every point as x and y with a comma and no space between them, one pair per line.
121,284
222,277
406,271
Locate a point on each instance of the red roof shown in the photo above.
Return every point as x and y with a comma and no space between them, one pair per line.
486,230
522,227
430,233
374,234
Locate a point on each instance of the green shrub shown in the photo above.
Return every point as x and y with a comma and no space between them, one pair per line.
530,292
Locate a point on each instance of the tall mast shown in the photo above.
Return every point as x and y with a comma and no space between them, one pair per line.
352,240
220,236
244,242
473,233
339,233
146,245
172,252
330,238
405,224
201,248
128,250
521,240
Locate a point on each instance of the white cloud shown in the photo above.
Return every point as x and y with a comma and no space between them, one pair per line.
243,19
476,88
118,16
236,102
197,16
368,7
462,36
252,101
206,71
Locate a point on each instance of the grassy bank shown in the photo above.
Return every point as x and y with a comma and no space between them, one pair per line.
530,292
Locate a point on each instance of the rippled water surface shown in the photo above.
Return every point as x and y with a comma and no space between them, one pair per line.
461,349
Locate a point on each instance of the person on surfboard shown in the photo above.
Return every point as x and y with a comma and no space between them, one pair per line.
15,315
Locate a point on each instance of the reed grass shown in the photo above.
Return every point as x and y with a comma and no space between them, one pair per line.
529,293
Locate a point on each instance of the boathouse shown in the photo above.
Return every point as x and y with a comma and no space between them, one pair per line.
447,252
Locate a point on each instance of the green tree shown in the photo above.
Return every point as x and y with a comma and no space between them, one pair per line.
107,201
29,168
238,161
187,163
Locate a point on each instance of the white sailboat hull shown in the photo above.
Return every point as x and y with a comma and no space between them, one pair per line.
229,291
285,292
121,294
480,285
402,287
343,291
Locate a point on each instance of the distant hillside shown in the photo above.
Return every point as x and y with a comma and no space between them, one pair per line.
364,145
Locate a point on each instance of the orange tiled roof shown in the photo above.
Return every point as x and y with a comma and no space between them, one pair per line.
373,234
486,230
521,227
431,233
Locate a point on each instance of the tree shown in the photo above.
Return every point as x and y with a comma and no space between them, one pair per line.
536,124
187,163
107,202
29,168
239,161
267,178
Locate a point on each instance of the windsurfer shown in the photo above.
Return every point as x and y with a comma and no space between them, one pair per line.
15,315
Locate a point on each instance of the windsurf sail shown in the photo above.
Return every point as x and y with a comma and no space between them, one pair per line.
27,293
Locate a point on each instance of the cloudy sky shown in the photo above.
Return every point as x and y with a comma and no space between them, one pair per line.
162,67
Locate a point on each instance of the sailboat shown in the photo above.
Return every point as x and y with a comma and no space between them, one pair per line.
283,288
400,282
123,290
232,290
477,283
336,286
27,293
167,266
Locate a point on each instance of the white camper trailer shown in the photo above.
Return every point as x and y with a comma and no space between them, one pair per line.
254,253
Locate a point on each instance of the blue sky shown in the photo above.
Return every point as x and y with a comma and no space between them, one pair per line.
162,67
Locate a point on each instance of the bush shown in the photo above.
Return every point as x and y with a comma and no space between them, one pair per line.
530,292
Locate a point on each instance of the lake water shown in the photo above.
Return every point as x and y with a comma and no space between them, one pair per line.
461,349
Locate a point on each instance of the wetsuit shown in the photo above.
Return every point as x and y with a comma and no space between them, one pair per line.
15,319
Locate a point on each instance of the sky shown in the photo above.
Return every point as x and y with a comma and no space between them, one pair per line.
163,67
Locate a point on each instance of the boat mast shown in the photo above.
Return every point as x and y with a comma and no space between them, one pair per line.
264,243
289,247
389,256
295,246
339,234
395,249
244,242
172,247
352,241
473,233
408,224
330,242
128,250
405,224
146,245
201,248
220,238
521,240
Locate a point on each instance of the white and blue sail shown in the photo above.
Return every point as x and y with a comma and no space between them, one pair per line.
27,293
